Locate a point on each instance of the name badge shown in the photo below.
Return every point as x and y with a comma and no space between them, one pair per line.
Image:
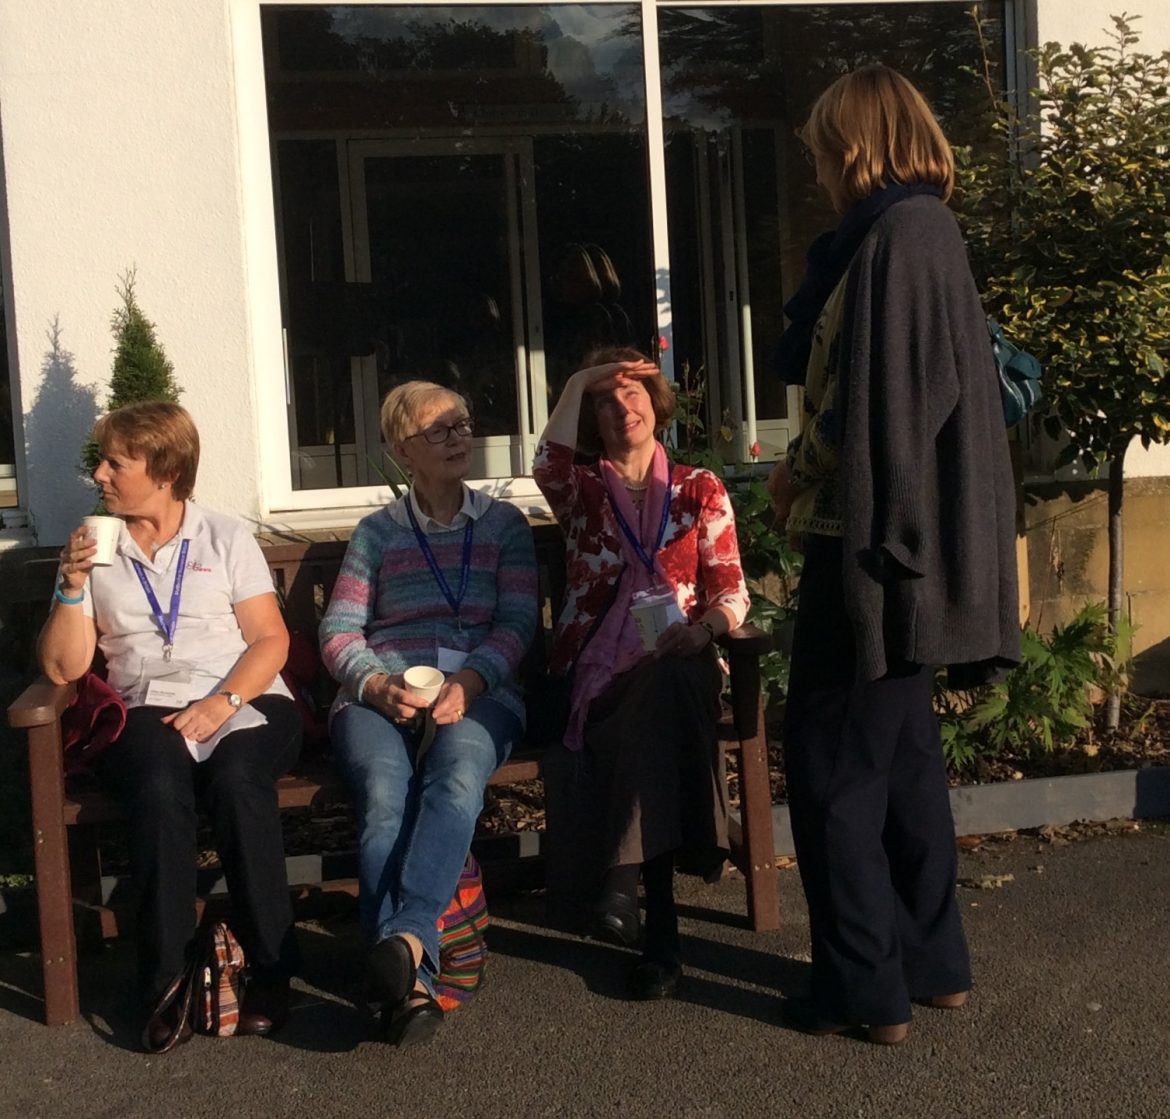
451,660
168,683
168,693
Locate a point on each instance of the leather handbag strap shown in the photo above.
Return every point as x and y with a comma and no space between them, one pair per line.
180,994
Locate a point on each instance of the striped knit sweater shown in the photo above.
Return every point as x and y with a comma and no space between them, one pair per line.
387,612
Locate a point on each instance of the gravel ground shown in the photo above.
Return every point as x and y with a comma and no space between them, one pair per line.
1069,1018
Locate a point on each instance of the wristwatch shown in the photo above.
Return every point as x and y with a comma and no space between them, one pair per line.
234,699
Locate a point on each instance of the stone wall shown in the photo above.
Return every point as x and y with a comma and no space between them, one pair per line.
1068,563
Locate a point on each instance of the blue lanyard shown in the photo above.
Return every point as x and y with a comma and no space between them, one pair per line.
631,536
425,546
168,623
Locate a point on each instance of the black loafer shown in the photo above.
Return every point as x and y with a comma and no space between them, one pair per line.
414,1025
616,920
653,979
392,970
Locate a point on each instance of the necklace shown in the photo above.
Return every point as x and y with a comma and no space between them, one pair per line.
631,488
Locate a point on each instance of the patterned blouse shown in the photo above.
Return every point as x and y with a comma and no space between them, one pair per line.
699,553
813,454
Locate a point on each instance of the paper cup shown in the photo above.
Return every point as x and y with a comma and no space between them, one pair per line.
105,532
653,614
424,681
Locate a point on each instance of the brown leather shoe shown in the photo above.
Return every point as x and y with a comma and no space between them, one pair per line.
888,1035
798,1014
948,1002
265,1007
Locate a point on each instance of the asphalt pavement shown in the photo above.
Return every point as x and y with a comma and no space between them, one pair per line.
1070,1017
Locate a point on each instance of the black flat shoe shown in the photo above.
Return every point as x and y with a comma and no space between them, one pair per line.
653,979
616,920
392,970
415,1024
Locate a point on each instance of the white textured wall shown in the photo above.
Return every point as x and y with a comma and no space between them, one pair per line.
120,148
1089,22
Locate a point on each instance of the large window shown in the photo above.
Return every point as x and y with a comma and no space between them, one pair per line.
736,83
462,196
478,195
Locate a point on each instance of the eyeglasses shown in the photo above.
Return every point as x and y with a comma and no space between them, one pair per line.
440,433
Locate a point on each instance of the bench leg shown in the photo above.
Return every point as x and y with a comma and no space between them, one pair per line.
755,797
54,894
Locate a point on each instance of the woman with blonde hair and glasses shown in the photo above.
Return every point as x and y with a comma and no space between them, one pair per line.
443,577
900,490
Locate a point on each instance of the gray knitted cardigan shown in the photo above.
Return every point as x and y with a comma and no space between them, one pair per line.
928,501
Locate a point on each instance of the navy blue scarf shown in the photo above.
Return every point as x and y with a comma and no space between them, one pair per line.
826,262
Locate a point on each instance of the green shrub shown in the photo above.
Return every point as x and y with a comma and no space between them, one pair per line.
142,371
770,565
1045,703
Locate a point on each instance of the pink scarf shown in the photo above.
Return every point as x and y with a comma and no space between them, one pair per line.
616,646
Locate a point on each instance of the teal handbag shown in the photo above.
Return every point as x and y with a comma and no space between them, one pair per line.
1019,375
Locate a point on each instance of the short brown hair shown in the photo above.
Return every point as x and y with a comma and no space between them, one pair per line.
882,130
402,404
160,432
662,398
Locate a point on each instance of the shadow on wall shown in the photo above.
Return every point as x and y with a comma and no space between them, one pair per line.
1151,670
56,426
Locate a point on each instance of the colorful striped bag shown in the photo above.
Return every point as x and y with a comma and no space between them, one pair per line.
462,951
219,998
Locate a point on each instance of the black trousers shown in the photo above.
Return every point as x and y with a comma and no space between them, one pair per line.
871,818
161,788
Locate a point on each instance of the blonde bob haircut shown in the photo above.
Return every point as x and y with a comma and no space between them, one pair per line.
879,130
160,432
662,398
404,404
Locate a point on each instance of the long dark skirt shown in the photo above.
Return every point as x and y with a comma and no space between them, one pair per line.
871,818
658,774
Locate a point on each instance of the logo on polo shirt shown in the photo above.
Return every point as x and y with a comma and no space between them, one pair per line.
195,565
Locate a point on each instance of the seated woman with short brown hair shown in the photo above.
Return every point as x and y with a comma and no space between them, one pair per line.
643,715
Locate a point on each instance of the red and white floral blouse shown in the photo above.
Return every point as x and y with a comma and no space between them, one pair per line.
699,553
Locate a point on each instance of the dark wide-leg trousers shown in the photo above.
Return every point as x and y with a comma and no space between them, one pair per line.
161,787
871,818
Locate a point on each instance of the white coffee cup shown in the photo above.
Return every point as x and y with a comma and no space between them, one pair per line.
424,681
654,612
104,531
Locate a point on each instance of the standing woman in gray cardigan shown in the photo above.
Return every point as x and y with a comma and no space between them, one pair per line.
900,490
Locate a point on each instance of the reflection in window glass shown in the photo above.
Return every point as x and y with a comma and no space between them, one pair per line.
461,196
736,82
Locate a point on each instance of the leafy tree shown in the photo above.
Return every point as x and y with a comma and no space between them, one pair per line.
1069,227
141,369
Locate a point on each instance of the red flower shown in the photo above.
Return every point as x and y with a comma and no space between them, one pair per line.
663,344
754,450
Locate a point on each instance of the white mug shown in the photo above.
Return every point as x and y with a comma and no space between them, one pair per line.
104,531
424,681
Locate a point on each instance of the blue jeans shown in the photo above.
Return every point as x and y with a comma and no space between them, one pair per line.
415,829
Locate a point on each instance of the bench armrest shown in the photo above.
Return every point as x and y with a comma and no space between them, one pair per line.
747,641
40,704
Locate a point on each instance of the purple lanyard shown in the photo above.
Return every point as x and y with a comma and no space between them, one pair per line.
168,623
635,543
425,546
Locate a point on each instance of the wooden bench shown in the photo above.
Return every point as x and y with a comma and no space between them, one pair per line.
68,870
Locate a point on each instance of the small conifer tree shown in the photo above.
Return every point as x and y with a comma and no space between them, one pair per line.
141,369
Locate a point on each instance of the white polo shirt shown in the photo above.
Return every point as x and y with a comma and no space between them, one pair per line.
224,566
